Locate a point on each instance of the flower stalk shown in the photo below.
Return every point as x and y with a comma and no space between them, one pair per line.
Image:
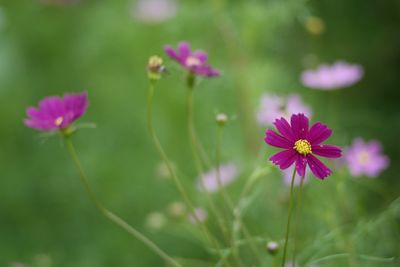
110,215
289,218
174,176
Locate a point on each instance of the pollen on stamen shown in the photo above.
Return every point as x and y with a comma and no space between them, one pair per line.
59,121
302,146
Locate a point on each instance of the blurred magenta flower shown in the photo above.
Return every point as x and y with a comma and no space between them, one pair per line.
300,143
365,158
154,11
201,215
287,178
329,77
194,62
56,113
209,181
273,106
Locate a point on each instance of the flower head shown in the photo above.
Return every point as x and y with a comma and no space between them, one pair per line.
194,62
330,77
55,113
273,106
154,11
365,158
209,180
300,144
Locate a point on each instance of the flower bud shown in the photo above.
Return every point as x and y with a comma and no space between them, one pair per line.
221,119
272,247
176,209
155,67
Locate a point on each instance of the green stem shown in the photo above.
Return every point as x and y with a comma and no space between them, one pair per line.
289,218
175,178
110,215
223,194
194,143
298,207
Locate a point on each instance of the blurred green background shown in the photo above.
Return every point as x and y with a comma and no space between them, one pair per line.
49,48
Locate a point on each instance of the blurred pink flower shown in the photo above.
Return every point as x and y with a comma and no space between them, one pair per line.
154,11
56,113
329,77
273,106
209,181
287,177
366,158
193,61
201,215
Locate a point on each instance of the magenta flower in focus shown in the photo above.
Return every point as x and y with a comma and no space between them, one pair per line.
365,158
273,106
56,113
300,143
330,77
194,62
209,181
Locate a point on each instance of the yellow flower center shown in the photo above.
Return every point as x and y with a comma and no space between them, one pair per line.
58,121
302,146
192,62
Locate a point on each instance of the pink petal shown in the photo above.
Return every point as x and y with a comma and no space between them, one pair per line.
317,167
301,164
201,55
53,106
184,50
76,104
299,124
276,140
327,151
171,52
284,128
284,158
318,133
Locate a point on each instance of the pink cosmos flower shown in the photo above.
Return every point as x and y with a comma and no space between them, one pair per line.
209,181
329,77
300,143
56,113
366,158
194,62
154,11
273,106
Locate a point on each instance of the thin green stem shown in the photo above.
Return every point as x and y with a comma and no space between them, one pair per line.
110,215
194,143
228,205
172,171
289,218
296,219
